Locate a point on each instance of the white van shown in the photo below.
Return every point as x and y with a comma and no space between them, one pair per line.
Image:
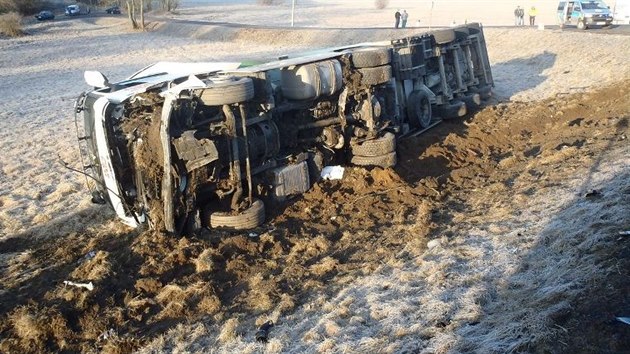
584,14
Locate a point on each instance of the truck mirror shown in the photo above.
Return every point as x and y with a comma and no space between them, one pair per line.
95,79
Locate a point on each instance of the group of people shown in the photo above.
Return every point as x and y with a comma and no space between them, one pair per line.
519,14
401,19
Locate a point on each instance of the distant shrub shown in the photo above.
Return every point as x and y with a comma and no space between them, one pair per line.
24,7
381,4
7,6
11,24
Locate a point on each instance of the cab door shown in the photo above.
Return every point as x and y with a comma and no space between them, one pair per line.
565,12
576,13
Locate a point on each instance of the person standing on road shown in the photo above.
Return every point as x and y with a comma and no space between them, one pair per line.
403,18
532,16
518,16
397,16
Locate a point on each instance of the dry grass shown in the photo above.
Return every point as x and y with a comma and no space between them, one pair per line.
228,331
35,326
178,301
204,262
326,265
260,294
11,24
26,325
95,268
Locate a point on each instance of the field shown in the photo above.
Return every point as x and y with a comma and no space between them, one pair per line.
500,232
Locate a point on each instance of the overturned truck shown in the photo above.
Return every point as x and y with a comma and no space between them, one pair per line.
179,146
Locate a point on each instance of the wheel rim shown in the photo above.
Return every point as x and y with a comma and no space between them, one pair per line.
424,112
419,109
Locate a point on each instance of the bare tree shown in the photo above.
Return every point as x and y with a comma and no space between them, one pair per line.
134,6
169,5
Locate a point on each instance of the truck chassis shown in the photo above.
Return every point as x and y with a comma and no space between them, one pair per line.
210,148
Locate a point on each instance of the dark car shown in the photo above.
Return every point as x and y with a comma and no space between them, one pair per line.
113,10
45,15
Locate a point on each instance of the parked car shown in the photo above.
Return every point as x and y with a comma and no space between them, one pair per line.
178,146
584,14
115,10
45,15
75,10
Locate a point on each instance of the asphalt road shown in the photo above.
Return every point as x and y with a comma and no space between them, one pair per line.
614,29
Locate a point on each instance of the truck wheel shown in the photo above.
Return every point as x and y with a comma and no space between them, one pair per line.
375,147
249,218
420,113
229,91
375,76
443,36
581,25
371,57
384,161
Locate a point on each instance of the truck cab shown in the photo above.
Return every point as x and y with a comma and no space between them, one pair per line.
584,14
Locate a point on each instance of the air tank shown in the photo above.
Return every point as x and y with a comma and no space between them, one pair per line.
309,81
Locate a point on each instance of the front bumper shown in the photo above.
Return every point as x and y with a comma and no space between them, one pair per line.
599,20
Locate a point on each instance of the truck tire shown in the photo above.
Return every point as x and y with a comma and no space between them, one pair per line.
375,147
249,218
443,36
371,57
375,76
384,161
419,109
229,91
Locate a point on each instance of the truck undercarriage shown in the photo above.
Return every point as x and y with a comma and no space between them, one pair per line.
211,149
